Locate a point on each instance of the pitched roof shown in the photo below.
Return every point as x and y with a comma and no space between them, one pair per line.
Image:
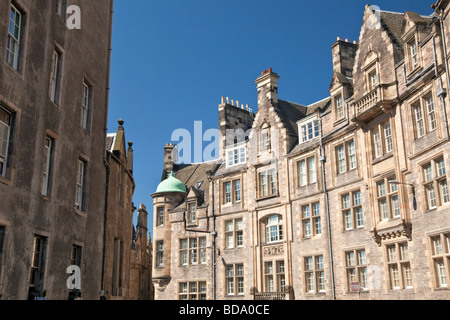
290,113
392,22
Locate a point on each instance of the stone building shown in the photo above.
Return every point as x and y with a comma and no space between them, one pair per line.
346,198
53,119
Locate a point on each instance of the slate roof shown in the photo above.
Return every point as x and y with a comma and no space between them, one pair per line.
191,174
290,113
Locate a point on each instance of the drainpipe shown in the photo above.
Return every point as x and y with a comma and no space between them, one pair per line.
327,209
442,92
214,236
105,155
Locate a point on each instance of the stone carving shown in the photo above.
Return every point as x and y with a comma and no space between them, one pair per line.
273,250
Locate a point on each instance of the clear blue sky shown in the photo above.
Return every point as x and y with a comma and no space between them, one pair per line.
173,60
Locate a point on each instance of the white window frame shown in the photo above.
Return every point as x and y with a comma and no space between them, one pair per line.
14,37
274,228
314,274
311,220
351,207
55,76
86,105
236,155
308,129
435,183
5,137
267,183
80,195
234,233
48,163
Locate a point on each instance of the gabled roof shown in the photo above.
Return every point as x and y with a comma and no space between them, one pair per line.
392,22
290,113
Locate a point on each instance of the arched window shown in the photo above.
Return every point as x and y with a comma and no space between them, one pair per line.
274,228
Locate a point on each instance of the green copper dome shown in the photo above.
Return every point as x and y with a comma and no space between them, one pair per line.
171,184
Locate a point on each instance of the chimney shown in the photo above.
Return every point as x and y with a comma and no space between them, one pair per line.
168,159
130,157
142,219
267,85
344,53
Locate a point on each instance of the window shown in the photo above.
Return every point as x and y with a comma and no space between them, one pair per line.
356,268
309,130
160,216
398,261
14,37
274,277
264,140
413,54
382,139
37,264
373,80
62,8
159,254
234,279
274,228
346,157
314,274
232,191
6,120
307,171
192,290
2,246
234,233
424,115
352,210
86,106
80,196
267,183
55,77
236,155
435,183
192,212
312,224
192,250
339,107
388,200
440,248
75,261
48,164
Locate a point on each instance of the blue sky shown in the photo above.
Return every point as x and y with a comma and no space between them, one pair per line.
173,60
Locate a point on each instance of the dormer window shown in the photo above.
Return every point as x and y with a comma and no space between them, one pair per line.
309,129
339,107
191,213
236,155
413,54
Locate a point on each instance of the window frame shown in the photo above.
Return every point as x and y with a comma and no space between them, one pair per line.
86,105
234,279
49,146
276,226
6,141
398,266
390,192
432,183
314,273
356,268
55,76
424,120
309,129
308,176
16,40
267,183
236,233
160,216
346,159
275,276
200,292
232,191
382,143
81,185
236,155
440,259
350,209
311,221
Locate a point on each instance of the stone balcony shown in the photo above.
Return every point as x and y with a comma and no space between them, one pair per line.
380,99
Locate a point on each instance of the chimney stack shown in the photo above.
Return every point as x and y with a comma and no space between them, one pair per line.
267,85
344,53
168,159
